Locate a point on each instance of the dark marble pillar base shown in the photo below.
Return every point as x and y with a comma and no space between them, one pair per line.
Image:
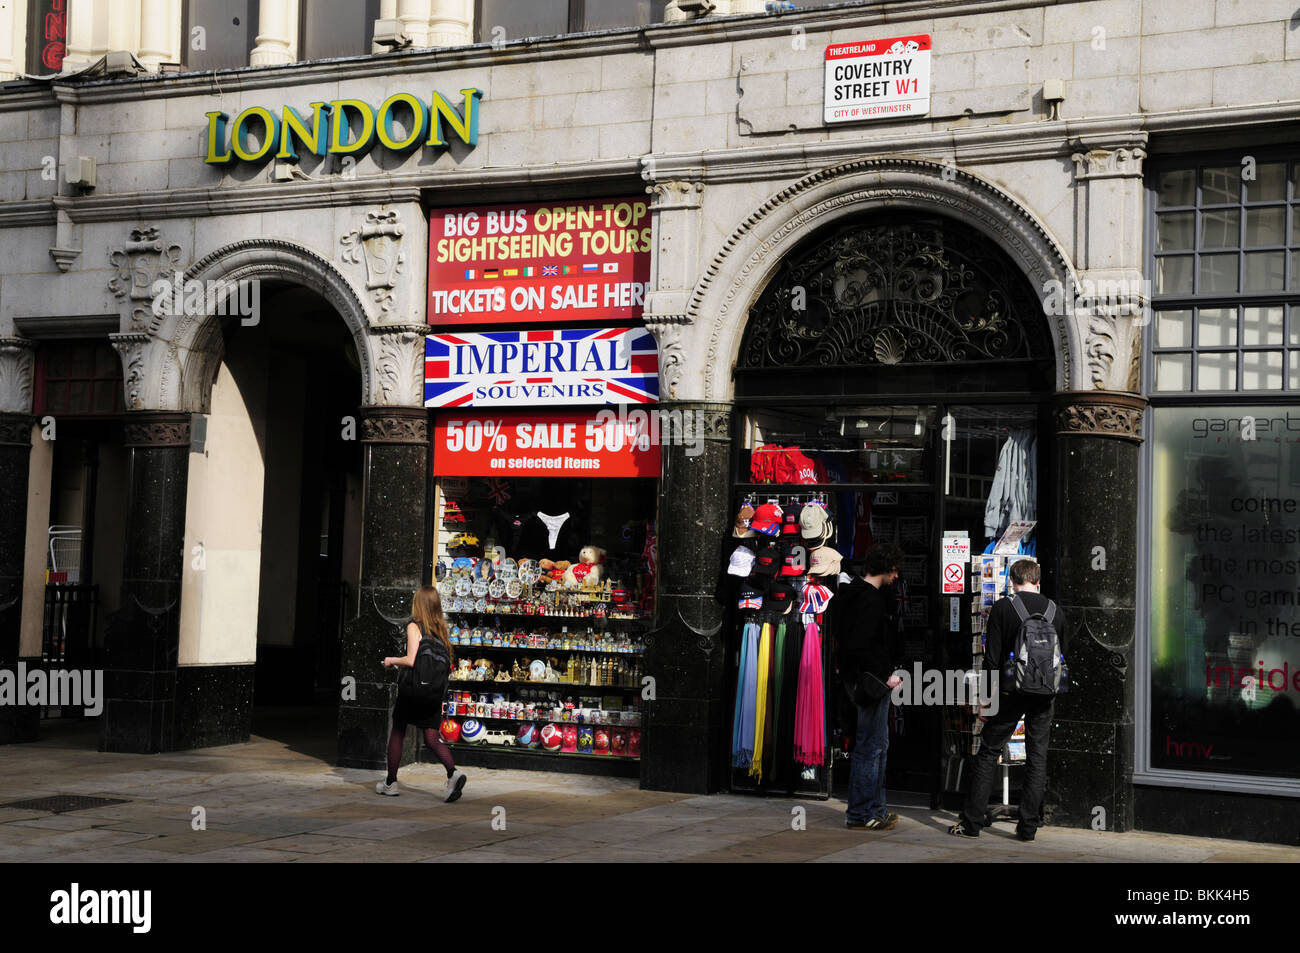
392,567
16,723
19,723
683,746
141,642
214,705
1090,765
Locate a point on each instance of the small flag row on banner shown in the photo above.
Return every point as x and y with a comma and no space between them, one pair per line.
542,271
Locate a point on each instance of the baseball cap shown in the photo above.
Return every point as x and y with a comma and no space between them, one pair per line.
825,562
768,560
815,598
767,519
742,561
789,524
780,596
751,596
815,523
794,556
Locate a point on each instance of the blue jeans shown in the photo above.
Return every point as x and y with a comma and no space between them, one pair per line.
867,766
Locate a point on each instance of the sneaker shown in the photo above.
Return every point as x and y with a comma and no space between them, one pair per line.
961,830
455,784
1024,833
882,823
856,825
383,787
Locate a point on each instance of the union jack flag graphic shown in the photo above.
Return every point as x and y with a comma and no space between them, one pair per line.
541,368
550,271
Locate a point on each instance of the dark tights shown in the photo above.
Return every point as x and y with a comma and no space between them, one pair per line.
436,745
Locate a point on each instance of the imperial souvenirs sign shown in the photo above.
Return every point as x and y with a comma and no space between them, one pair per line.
347,127
541,368
877,79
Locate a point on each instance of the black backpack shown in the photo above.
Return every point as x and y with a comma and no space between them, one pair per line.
1035,667
425,682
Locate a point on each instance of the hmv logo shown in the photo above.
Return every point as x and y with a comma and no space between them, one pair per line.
1187,749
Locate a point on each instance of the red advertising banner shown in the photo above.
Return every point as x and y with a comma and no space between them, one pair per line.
587,442
542,261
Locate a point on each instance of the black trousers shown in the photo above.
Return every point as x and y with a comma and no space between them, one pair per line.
1037,712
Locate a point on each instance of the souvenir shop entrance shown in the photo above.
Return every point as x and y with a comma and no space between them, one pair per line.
896,377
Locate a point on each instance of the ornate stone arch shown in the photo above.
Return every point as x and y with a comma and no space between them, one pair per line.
198,337
738,273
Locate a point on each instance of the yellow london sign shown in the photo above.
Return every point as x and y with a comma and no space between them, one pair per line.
349,127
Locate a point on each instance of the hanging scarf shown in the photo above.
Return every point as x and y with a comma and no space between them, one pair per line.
742,740
774,707
810,710
760,708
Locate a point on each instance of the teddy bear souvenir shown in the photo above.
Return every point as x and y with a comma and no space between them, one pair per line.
586,571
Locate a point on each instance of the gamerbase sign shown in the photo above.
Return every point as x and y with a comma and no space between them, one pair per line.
877,79
587,442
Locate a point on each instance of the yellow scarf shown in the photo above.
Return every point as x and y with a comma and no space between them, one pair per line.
760,702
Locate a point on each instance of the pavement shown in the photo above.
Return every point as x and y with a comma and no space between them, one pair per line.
278,799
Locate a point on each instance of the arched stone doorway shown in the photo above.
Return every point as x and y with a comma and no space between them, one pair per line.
1096,434
295,399
907,359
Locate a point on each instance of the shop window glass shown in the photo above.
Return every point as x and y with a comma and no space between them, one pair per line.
1269,184
79,378
1216,327
218,34
1218,274
613,14
1175,230
1294,284
1221,185
1293,371
1173,372
1176,187
515,19
331,28
1261,370
47,35
1174,275
1216,370
1265,226
1220,228
1174,329
1265,271
1224,611
1261,326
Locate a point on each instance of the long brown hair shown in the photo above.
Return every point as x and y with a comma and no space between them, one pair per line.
426,610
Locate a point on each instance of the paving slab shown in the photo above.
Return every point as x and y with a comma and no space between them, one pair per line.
272,800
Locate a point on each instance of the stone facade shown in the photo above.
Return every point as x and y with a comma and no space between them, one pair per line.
719,120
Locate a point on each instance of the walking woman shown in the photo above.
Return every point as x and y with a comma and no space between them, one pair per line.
427,622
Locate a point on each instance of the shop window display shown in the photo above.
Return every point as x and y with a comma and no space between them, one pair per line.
549,588
1225,606
893,473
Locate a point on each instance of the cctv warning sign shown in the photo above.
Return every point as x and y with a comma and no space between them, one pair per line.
877,79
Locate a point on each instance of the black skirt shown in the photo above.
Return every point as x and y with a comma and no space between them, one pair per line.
409,712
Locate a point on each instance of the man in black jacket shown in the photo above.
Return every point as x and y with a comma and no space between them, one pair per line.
866,657
1003,628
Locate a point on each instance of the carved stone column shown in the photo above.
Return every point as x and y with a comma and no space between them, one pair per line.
142,637
1091,760
17,723
275,33
685,742
451,22
1113,292
395,468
